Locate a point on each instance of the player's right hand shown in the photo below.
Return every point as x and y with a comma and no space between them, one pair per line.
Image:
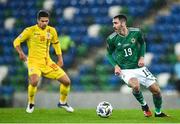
22,56
117,70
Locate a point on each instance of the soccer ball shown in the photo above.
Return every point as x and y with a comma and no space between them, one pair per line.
104,109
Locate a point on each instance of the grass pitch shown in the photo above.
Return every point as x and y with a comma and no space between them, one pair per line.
18,115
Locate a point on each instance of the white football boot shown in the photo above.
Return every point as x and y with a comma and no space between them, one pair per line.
30,108
66,107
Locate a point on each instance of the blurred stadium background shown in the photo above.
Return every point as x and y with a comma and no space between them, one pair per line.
88,23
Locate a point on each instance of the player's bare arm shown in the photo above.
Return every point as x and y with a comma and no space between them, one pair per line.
141,62
60,60
22,56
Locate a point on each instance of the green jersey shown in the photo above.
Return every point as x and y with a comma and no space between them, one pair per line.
125,51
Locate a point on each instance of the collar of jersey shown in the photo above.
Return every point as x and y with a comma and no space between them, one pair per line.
123,35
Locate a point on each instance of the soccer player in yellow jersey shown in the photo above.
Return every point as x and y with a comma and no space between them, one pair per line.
38,38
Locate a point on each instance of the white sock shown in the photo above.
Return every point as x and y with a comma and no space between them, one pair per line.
158,113
62,102
144,103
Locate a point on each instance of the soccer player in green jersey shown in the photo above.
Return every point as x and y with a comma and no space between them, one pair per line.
125,51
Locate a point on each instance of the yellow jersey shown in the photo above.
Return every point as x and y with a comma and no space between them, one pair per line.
38,43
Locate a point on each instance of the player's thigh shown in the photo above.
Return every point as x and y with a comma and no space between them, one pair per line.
34,74
54,73
127,75
145,77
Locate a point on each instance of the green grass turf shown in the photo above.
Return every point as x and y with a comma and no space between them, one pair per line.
18,115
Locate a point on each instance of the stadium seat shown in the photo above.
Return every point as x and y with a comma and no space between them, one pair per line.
177,48
68,60
163,79
114,81
3,72
85,69
48,4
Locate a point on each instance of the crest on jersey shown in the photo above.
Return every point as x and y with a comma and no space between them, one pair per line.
133,40
119,44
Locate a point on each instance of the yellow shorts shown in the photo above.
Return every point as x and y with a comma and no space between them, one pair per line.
51,70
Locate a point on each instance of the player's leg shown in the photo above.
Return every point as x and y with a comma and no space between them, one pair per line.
64,88
34,76
131,79
64,91
148,80
55,72
134,83
32,89
157,99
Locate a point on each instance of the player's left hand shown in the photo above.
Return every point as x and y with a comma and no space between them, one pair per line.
141,62
60,63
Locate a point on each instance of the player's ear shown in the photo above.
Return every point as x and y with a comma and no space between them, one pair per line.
37,20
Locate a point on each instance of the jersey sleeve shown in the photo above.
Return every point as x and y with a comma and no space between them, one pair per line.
142,44
110,46
22,37
55,42
110,50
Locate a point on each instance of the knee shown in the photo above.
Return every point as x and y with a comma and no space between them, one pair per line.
34,83
155,90
156,93
34,80
65,81
134,83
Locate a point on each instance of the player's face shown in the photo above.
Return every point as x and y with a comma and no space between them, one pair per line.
118,25
43,22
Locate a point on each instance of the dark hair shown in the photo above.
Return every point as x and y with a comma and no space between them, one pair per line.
121,16
42,13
